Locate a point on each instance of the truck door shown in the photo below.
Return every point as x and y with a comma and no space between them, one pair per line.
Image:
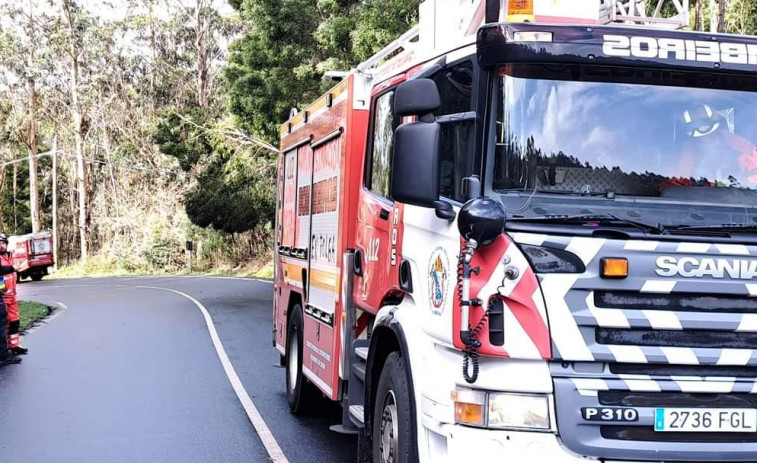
279,297
320,350
376,209
295,230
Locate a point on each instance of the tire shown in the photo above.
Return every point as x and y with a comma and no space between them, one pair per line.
302,396
364,450
37,276
392,416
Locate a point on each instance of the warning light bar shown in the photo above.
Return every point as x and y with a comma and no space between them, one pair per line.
520,10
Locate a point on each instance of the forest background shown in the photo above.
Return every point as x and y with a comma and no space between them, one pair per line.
134,126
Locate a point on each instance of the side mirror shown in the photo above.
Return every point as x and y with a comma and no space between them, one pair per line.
416,157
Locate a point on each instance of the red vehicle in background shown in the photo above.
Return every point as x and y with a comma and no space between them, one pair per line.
37,248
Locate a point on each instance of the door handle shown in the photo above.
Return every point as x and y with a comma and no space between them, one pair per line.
384,214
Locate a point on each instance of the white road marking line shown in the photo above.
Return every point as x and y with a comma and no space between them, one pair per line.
209,277
265,434
146,277
63,308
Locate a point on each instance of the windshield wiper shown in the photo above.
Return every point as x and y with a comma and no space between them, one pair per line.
609,194
600,219
727,227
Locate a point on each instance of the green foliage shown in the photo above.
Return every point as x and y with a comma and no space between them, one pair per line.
226,198
381,21
280,63
179,136
234,188
16,214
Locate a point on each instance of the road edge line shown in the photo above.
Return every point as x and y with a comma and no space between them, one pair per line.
265,434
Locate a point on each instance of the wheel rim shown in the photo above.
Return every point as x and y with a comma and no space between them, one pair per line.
388,430
294,361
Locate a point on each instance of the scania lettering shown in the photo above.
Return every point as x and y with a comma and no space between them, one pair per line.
525,231
692,267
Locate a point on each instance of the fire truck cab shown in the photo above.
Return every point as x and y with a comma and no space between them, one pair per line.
35,250
525,230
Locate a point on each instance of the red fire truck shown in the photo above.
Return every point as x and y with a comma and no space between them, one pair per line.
37,250
525,231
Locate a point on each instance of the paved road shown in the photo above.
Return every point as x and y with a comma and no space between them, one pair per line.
128,373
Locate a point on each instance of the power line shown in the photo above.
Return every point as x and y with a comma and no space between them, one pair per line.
96,161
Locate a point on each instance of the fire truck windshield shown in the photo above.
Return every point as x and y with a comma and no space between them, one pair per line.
620,137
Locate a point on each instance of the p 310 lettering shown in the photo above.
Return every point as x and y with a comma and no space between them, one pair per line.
609,414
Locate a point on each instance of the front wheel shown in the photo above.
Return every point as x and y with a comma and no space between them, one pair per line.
392,416
37,276
302,396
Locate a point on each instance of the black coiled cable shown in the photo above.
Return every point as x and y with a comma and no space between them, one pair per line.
470,353
460,269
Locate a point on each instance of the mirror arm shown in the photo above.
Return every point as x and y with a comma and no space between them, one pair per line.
427,118
444,210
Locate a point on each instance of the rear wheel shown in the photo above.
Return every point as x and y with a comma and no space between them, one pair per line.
392,417
37,276
301,394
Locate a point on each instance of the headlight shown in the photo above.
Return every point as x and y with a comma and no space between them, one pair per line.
501,410
518,411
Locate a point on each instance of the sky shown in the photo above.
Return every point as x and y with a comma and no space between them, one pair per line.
108,10
116,9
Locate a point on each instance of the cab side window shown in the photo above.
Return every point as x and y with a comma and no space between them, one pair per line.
455,86
384,123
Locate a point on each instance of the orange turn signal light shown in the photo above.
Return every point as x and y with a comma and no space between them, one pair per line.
614,267
472,414
469,407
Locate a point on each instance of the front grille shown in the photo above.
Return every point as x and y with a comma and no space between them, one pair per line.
679,302
676,399
676,370
648,434
689,338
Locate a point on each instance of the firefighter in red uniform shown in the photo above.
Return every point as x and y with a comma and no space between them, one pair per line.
9,299
714,155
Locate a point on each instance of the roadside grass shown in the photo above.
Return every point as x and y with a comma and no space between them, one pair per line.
98,266
30,312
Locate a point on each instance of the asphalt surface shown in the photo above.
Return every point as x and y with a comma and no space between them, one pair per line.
127,373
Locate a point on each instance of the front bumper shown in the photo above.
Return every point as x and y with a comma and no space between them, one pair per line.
482,445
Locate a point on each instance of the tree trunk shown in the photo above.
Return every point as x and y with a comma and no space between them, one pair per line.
153,50
15,195
202,31
31,135
721,22
2,188
698,23
70,242
55,203
81,174
717,15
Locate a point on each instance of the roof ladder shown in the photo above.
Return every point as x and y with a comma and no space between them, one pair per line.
635,12
403,43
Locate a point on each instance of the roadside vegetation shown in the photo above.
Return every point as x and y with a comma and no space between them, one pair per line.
31,312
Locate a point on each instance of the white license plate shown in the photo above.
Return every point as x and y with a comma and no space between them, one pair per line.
705,420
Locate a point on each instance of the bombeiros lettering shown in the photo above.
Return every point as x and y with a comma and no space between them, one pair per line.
694,267
701,51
